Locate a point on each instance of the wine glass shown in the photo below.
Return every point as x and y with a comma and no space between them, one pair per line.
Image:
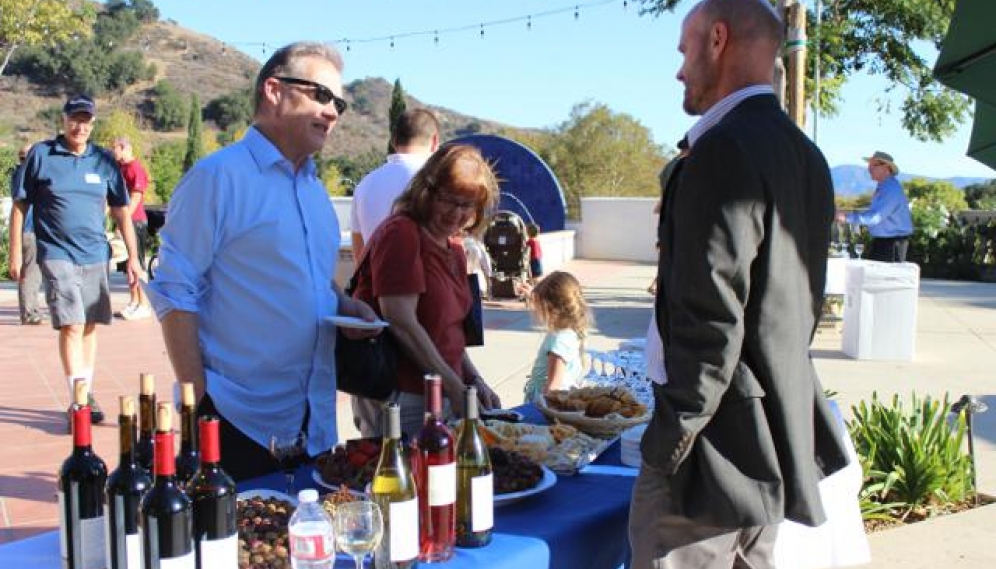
358,528
859,248
287,449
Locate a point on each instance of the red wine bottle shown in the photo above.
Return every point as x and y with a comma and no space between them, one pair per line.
125,488
82,542
189,459
167,516
394,490
214,498
145,450
437,478
475,486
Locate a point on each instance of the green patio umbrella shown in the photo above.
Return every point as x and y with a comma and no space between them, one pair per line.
967,63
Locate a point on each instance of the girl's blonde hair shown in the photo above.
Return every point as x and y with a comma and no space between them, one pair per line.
559,303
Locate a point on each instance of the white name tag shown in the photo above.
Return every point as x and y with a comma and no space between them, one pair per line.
92,178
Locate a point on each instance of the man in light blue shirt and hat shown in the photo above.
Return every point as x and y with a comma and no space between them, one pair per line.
888,218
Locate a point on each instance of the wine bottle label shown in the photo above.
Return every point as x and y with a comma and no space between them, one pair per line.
91,538
220,553
442,484
133,550
403,517
188,561
132,546
482,503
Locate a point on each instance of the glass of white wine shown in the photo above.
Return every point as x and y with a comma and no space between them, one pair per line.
859,248
358,528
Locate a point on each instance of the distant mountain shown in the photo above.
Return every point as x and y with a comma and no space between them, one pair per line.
853,180
196,63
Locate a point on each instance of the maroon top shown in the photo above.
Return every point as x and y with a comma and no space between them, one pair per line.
404,260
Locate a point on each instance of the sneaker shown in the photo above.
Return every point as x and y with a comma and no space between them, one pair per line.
138,313
33,320
96,415
125,312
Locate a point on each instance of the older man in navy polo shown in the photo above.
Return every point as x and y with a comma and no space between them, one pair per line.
67,181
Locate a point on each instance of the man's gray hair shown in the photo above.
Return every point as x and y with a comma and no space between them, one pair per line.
285,61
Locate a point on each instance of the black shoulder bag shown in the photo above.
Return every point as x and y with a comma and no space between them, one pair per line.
368,367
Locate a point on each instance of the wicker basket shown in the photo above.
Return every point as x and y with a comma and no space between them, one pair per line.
608,426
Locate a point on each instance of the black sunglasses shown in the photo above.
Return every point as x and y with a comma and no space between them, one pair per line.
321,93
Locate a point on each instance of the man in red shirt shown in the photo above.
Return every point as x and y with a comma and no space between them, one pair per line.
137,181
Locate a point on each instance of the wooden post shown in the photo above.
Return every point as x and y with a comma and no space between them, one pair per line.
795,51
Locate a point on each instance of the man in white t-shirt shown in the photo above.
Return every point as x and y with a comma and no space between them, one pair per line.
415,135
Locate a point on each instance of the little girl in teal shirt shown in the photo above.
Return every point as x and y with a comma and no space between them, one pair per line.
559,305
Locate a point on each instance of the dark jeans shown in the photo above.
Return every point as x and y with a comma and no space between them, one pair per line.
241,457
889,249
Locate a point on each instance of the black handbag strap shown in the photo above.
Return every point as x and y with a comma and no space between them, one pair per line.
355,279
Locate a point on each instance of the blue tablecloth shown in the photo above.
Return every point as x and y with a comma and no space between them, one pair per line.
578,522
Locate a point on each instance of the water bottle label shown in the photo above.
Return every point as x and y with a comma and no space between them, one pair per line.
442,484
482,503
220,553
403,518
315,547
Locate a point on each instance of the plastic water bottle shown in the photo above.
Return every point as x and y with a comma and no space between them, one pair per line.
312,544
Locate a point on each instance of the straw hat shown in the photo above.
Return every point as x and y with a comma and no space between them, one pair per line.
884,158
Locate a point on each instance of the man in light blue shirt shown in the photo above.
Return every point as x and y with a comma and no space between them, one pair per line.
247,262
888,218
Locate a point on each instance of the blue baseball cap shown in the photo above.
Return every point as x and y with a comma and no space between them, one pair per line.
80,104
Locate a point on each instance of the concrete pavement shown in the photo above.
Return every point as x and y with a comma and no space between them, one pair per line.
956,354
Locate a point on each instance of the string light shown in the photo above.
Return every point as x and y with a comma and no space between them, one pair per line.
480,26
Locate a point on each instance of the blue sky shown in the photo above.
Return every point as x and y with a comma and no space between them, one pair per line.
532,77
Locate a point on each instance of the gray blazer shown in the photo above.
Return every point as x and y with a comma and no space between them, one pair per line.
742,428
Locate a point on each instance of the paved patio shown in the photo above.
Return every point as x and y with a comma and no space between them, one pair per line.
956,354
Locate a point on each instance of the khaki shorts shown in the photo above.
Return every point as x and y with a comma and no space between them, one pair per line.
76,294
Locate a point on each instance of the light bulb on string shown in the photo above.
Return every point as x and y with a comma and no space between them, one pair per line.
625,4
577,13
392,42
347,45
435,38
529,23
482,30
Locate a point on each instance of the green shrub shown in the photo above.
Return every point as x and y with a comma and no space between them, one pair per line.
166,168
169,109
912,459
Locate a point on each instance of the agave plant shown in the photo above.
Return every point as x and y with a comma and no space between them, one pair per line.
912,458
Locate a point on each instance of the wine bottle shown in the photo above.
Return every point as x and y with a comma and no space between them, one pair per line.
437,477
475,488
167,516
145,451
214,498
188,460
125,488
82,542
393,489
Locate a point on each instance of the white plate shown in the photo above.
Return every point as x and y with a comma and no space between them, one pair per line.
317,477
545,483
354,322
265,494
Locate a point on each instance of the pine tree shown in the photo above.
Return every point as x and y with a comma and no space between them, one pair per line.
397,107
195,143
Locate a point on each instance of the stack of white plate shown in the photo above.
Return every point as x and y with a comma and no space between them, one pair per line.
629,445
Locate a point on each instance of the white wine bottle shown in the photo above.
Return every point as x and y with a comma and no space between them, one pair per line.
475,508
393,489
